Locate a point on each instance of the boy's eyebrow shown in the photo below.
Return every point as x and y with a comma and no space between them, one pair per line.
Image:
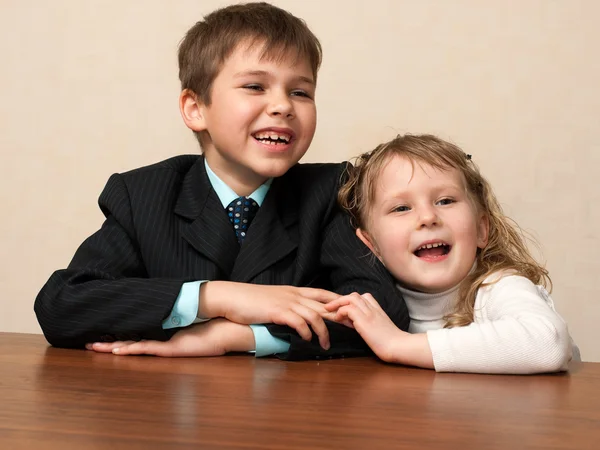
259,73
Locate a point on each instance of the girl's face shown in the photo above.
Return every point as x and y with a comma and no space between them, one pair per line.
423,226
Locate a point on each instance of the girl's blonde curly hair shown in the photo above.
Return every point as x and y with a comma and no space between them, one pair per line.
507,243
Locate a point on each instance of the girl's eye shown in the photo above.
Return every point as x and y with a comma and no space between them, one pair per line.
401,208
254,87
445,201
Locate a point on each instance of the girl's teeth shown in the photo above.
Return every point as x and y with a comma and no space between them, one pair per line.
430,246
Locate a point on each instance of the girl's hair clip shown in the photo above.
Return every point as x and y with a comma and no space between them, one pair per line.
469,157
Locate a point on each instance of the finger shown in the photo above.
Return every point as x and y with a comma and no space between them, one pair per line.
348,323
320,295
106,347
340,318
140,348
319,308
356,300
349,312
342,301
329,315
312,304
316,322
296,322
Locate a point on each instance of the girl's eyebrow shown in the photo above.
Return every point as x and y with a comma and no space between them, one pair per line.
444,187
400,193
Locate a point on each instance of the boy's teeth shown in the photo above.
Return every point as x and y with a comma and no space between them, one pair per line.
272,136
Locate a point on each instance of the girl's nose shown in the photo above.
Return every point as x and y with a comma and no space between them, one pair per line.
428,217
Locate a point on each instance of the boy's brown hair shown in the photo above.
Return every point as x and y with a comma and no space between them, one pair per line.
210,41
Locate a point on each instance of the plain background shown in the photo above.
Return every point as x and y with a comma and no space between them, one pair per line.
89,88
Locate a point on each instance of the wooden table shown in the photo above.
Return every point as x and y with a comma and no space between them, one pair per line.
60,399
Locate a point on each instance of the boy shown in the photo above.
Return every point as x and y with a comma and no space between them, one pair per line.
231,234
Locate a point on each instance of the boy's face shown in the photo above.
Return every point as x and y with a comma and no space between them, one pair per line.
261,119
423,226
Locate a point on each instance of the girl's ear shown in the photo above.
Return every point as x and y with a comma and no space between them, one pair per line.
368,241
483,230
192,110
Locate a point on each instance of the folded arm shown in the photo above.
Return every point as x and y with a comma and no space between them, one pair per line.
105,293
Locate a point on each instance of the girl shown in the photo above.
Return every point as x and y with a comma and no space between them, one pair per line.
475,295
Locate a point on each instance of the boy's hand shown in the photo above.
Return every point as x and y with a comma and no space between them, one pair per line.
284,305
213,338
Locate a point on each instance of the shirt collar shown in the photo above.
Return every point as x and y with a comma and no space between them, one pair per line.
227,195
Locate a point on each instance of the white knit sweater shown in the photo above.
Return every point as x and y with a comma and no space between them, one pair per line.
516,329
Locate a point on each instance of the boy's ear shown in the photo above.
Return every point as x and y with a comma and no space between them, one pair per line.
192,110
483,230
366,239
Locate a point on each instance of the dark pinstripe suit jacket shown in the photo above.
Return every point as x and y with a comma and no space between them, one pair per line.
165,226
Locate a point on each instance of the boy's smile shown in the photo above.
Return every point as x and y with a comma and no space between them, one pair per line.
261,118
275,139
423,226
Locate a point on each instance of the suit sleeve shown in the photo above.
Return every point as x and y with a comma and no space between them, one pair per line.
105,293
351,268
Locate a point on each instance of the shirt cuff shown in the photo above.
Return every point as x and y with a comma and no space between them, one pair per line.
185,309
266,344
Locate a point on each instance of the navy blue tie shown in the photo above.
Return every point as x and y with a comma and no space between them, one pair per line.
241,211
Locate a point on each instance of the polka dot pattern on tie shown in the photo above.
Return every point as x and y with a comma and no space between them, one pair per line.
241,212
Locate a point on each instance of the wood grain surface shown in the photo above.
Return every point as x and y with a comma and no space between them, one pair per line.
58,399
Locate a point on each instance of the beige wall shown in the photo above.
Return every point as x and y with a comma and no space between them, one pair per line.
88,88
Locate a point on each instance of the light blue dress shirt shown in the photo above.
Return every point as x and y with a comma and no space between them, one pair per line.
185,309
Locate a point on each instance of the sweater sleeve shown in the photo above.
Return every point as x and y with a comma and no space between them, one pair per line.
516,331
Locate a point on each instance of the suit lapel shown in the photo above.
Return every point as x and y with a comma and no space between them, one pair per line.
271,235
207,229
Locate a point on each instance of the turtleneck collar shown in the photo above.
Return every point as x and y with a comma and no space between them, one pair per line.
427,311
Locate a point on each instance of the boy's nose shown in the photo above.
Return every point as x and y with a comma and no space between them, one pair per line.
280,105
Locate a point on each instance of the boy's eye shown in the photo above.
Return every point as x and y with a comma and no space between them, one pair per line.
445,201
253,87
300,93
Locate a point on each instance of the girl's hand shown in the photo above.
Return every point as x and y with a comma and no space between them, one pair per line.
389,343
363,313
